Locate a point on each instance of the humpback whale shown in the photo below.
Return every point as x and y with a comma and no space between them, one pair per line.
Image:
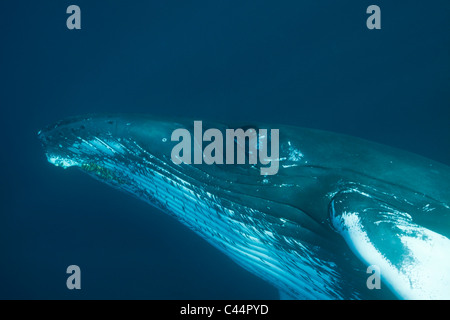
337,205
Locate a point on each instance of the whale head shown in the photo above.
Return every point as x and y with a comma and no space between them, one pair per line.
333,206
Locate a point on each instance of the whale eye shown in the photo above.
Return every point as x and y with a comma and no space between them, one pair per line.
245,139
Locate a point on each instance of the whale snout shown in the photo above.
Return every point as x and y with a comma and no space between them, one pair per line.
71,141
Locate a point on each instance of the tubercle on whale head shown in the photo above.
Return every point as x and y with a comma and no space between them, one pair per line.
141,128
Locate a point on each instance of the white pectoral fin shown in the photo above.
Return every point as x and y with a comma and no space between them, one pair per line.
413,261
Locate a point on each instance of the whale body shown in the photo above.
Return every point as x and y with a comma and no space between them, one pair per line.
337,205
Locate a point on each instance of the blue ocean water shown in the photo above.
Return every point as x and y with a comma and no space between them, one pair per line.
311,64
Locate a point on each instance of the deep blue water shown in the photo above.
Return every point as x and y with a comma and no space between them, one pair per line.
306,63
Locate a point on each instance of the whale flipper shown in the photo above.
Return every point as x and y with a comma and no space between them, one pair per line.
411,258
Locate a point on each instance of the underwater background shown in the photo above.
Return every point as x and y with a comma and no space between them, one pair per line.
306,63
